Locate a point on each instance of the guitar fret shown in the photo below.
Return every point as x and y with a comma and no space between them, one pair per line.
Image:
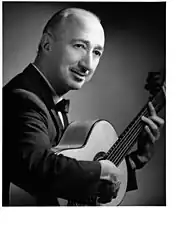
129,136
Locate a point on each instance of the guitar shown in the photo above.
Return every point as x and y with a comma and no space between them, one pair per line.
86,141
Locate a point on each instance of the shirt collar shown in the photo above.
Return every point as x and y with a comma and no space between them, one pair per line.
56,98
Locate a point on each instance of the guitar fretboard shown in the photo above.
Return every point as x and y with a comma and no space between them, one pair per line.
129,136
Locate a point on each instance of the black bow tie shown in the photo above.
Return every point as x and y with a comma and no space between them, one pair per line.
63,106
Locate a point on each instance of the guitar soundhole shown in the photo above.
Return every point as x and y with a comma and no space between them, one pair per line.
100,156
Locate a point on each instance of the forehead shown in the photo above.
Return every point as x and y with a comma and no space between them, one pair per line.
86,27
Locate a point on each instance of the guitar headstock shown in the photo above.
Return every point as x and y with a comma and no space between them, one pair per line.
156,82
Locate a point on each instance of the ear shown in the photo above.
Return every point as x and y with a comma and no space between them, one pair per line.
46,42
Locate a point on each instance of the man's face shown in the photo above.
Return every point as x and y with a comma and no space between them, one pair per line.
76,54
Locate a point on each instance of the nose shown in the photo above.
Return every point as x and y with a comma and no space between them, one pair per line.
86,63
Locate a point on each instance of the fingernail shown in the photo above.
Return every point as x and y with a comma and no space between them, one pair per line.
146,128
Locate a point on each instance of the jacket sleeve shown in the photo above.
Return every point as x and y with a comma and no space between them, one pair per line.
34,167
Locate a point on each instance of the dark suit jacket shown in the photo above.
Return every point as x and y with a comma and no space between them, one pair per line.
31,127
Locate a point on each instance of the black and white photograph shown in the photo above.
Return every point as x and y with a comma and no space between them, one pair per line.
84,104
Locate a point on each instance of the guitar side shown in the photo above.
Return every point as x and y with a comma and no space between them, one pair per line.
83,141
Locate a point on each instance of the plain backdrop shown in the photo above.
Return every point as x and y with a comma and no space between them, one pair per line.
135,45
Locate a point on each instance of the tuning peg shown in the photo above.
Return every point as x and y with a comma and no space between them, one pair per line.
154,82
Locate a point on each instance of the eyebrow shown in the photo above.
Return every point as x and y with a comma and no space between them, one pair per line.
99,47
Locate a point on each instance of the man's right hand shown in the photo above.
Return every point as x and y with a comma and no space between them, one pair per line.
110,181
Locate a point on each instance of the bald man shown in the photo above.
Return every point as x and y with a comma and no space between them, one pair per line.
69,52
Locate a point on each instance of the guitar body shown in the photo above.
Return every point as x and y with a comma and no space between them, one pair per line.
81,141
84,142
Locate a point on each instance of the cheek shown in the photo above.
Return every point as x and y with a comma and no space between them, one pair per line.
72,56
60,57
96,63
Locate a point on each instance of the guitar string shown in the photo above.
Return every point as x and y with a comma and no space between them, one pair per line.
142,113
121,147
125,148
131,128
118,157
131,141
129,133
138,120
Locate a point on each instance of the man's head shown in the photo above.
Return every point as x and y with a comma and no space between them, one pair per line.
70,48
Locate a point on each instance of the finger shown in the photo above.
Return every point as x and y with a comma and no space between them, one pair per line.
152,109
153,127
152,138
158,121
110,178
115,194
116,189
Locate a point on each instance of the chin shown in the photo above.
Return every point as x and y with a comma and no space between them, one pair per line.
76,85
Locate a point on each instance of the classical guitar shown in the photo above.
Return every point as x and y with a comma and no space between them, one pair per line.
86,141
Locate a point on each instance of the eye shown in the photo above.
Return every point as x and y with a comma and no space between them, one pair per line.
97,53
82,46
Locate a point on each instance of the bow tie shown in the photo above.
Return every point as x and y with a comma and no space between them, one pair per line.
63,106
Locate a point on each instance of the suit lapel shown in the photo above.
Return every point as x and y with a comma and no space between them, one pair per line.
38,86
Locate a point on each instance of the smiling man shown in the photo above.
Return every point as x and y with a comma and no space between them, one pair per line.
70,51
68,55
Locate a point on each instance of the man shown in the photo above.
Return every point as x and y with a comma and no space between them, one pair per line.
69,53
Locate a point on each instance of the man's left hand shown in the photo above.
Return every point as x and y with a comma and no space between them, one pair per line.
150,135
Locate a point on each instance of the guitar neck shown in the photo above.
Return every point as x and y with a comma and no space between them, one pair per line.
129,136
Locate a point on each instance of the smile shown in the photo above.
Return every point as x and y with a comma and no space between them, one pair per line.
79,75
78,72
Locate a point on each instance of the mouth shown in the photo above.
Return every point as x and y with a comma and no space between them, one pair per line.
78,75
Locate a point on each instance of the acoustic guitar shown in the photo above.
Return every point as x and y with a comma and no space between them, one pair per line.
86,141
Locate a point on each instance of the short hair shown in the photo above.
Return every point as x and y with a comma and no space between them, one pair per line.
59,17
